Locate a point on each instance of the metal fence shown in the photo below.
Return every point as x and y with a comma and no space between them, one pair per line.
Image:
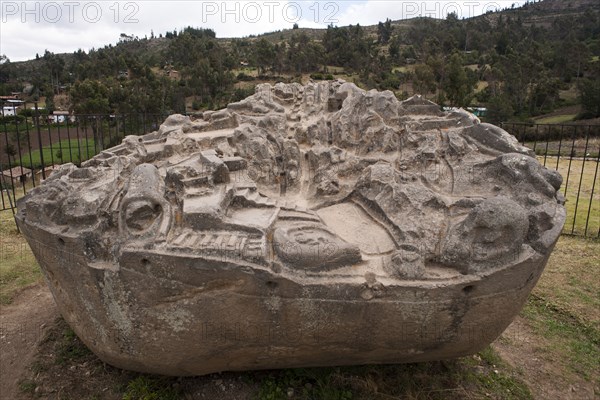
574,151
32,144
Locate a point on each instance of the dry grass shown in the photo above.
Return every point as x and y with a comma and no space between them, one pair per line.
564,309
18,267
579,178
572,279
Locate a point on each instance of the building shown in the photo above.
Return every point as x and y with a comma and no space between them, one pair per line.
10,106
47,171
17,175
58,117
8,111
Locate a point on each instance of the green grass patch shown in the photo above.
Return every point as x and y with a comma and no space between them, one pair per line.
573,342
484,375
403,69
65,151
571,280
27,386
556,119
577,189
148,387
70,348
500,384
563,308
578,193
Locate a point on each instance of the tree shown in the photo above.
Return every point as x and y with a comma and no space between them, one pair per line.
589,92
90,97
457,85
543,94
384,31
394,50
10,150
499,109
424,80
264,53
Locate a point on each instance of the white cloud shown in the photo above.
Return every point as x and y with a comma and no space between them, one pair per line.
28,28
370,12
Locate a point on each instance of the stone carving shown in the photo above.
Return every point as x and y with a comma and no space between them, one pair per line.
303,226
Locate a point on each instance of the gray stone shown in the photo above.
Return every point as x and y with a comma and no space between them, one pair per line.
303,226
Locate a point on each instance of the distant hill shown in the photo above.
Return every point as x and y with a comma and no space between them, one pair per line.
519,63
533,12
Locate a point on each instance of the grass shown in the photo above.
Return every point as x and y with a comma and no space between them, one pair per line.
69,151
580,202
481,85
147,387
69,348
404,69
27,386
579,174
18,267
564,307
574,343
572,279
556,119
570,95
483,375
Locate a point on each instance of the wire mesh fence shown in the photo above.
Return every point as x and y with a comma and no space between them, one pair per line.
33,144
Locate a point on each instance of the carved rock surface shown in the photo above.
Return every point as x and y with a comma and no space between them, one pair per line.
303,226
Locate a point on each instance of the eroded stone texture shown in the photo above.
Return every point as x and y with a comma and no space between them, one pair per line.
302,226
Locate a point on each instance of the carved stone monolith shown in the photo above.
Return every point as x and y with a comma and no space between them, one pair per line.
303,226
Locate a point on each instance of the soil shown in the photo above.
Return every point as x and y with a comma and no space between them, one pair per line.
520,347
23,325
32,318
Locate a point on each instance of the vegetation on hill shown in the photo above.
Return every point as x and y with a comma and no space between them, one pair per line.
518,63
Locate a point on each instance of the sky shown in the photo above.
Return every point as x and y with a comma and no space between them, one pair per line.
30,27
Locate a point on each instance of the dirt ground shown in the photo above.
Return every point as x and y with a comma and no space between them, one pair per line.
524,350
25,323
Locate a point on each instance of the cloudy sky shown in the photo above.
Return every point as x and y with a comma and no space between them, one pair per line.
27,28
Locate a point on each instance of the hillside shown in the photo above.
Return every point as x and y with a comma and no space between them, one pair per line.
518,63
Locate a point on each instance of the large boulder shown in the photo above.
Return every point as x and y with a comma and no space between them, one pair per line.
303,226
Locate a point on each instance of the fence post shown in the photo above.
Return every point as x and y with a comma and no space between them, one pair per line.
39,134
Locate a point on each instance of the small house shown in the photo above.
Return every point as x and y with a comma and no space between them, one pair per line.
17,175
47,171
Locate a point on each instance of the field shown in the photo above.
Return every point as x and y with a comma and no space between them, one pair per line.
556,119
559,328
65,151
